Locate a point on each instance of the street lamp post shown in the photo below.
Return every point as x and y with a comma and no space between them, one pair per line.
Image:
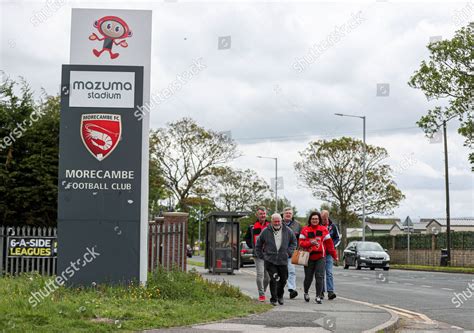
364,157
276,179
446,181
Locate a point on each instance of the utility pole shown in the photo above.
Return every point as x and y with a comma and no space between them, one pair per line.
276,179
446,179
276,184
363,183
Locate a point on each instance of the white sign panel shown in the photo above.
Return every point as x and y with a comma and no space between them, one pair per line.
119,38
102,89
279,183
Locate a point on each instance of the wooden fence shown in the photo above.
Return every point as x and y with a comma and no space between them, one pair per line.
166,246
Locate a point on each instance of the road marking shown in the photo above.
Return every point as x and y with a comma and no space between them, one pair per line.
408,312
427,286
382,327
408,284
365,278
392,282
448,289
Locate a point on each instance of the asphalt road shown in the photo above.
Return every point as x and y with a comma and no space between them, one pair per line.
430,293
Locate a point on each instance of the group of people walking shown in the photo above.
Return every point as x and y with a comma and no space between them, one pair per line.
274,243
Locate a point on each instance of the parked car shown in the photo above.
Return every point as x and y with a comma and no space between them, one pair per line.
246,254
189,251
366,254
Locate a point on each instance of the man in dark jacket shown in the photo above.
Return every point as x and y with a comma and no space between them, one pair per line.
275,245
334,233
296,227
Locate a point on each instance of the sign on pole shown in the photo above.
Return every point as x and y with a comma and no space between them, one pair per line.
103,167
279,185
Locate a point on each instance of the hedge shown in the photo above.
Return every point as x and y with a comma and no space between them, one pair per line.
460,240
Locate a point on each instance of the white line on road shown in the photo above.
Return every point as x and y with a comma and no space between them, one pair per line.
448,289
427,286
408,284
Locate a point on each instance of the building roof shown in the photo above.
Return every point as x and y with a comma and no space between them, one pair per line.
416,226
378,227
455,221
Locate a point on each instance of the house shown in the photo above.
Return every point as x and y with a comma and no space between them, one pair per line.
401,228
437,225
354,232
372,229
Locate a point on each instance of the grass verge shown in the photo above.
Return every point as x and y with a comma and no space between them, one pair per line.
169,299
468,270
195,263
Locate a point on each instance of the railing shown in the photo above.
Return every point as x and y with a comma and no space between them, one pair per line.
167,242
166,246
16,265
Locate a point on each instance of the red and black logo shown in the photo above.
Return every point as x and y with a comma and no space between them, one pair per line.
101,133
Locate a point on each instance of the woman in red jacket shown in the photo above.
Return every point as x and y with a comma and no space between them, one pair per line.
315,238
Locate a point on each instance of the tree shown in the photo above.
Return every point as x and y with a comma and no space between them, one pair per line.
333,171
269,204
157,188
29,150
352,220
237,190
198,208
187,155
449,74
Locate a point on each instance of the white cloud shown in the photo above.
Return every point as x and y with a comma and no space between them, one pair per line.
237,90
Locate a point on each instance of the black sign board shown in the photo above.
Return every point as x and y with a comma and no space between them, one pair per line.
100,172
31,247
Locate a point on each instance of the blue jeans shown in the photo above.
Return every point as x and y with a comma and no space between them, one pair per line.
291,275
329,285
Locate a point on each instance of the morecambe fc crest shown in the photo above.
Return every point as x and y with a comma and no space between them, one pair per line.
101,133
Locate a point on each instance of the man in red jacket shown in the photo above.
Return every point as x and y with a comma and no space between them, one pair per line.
253,232
315,239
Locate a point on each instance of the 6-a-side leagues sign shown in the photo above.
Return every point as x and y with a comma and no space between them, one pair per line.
103,150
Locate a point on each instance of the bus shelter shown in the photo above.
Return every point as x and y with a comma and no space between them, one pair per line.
222,242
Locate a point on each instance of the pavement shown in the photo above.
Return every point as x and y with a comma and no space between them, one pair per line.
295,316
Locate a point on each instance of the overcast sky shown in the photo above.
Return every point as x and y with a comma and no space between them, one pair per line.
271,106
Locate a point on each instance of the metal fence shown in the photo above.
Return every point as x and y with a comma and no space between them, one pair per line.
166,248
13,266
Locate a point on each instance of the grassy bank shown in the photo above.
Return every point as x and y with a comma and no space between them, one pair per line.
195,263
170,299
469,270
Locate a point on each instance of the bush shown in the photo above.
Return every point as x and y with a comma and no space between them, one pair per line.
460,240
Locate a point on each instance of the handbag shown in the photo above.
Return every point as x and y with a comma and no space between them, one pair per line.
300,257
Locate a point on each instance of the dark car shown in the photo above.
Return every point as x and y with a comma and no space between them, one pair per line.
189,251
246,254
366,254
